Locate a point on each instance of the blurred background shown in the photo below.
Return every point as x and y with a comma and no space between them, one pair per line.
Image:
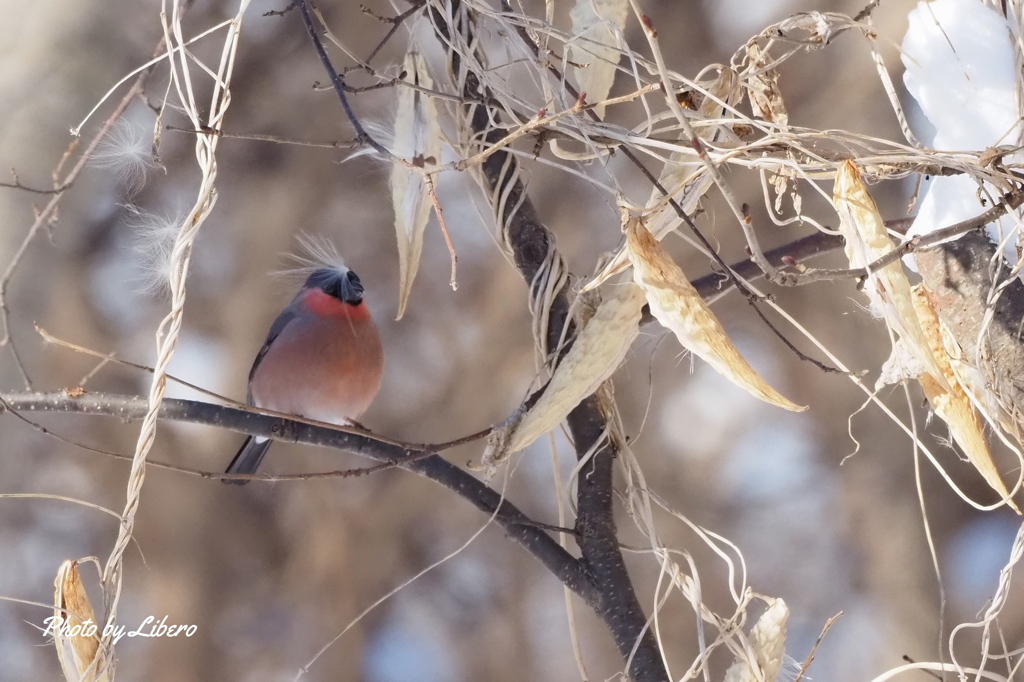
270,573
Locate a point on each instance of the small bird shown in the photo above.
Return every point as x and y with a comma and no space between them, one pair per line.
322,359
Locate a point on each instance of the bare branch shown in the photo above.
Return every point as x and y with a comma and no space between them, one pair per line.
1009,202
424,462
534,251
15,183
395,22
260,137
339,82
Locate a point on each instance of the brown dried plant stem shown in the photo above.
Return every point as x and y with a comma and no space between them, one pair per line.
760,259
612,596
564,83
516,524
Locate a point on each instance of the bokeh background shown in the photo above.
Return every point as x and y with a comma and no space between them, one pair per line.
270,573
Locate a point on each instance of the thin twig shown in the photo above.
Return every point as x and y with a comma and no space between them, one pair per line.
395,22
695,142
444,230
930,673
340,473
258,137
400,80
16,184
339,83
810,657
1009,202
49,212
108,358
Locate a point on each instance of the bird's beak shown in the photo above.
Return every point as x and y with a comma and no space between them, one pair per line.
351,292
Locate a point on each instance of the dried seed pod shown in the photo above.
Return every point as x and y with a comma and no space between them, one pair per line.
678,307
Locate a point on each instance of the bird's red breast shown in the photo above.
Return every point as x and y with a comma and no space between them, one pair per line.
326,363
325,305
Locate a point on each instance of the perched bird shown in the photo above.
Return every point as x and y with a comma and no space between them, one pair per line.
322,359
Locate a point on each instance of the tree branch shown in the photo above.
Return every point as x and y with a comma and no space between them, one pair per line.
598,541
1009,202
338,82
533,249
795,251
516,524
981,300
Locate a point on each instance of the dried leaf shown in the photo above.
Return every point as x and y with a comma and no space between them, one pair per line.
678,307
78,653
597,25
684,176
954,406
598,350
767,643
763,88
417,141
888,289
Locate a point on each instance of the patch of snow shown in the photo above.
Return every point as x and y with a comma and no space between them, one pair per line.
960,63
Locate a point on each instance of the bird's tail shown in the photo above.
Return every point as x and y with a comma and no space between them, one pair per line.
248,458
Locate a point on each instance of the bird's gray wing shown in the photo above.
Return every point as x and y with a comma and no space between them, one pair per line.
282,321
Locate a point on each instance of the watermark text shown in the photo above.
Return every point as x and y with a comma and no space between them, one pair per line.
150,627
